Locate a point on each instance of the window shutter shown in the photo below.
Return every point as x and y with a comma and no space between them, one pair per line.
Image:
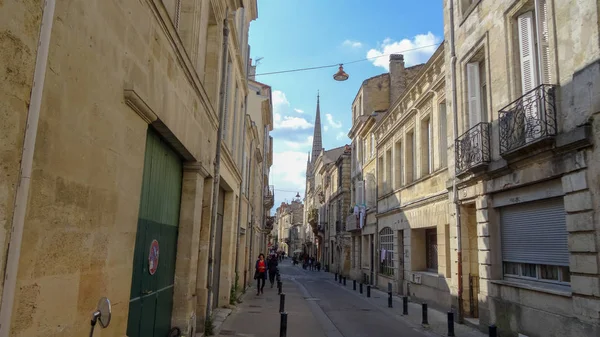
544,41
360,193
226,102
474,92
235,118
527,51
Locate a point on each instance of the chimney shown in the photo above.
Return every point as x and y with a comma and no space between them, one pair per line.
397,77
252,71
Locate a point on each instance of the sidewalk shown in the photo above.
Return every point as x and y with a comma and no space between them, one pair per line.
438,321
258,316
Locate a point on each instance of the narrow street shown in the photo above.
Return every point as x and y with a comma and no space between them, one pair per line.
319,306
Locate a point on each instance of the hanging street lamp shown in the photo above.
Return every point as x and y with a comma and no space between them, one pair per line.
341,74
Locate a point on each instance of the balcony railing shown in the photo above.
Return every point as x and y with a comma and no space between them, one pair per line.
352,224
529,119
269,198
473,148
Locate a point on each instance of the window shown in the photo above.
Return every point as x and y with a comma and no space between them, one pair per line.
409,155
365,151
431,253
386,251
234,130
476,90
426,153
372,145
380,173
354,113
226,98
534,242
339,173
398,164
388,170
466,5
443,135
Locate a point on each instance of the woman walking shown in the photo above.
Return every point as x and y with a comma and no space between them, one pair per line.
260,273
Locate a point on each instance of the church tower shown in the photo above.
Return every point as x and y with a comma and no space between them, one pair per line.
317,140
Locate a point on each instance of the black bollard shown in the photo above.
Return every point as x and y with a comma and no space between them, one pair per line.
344,280
368,291
282,303
450,324
279,286
283,325
425,322
493,331
353,284
390,304
336,276
405,305
340,279
360,288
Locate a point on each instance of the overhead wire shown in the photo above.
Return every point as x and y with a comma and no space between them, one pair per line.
351,62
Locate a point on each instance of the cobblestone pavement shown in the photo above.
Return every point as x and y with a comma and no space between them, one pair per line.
319,306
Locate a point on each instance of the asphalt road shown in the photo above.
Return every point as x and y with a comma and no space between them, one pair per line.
342,313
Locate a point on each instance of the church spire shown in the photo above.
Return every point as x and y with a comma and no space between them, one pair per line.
317,141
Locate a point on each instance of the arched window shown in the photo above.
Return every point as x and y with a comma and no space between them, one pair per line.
386,251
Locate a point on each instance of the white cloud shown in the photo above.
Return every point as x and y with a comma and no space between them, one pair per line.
332,122
292,123
426,43
326,128
298,145
351,43
279,99
341,135
289,170
299,111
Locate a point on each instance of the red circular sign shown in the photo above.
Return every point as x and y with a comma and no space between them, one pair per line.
153,257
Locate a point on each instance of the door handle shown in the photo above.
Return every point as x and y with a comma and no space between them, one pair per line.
146,292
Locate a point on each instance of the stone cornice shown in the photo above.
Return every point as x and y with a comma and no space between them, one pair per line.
162,18
137,103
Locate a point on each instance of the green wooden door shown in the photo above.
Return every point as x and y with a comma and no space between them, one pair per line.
151,298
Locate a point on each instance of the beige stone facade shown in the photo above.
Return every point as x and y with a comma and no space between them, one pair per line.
527,96
106,77
288,221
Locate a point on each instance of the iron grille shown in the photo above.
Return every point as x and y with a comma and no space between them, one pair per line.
473,147
528,119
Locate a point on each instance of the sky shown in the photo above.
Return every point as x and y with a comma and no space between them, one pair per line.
293,34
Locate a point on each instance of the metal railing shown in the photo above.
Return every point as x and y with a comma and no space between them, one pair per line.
528,119
472,148
352,223
269,198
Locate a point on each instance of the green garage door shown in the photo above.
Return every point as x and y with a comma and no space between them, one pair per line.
156,242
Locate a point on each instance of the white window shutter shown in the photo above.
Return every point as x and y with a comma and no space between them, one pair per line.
527,52
474,92
542,17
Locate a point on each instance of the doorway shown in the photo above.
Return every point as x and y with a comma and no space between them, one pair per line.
471,262
218,248
151,297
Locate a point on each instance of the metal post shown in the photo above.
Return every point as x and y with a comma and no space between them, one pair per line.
283,325
368,290
279,286
405,305
425,322
281,302
450,324
340,279
353,284
493,331
336,276
360,288
390,305
344,280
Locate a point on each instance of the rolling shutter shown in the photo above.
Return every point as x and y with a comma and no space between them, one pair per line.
535,232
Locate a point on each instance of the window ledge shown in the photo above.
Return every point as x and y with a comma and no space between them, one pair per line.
523,284
428,273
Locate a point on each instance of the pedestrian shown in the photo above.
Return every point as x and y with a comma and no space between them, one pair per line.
260,273
310,263
272,265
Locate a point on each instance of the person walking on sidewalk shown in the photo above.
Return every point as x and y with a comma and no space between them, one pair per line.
272,266
260,273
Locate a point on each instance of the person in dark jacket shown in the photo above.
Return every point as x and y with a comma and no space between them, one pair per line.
272,265
260,273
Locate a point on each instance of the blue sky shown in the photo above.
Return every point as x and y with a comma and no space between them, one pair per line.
292,34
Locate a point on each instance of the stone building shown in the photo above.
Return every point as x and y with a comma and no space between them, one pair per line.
370,105
335,173
109,144
523,88
288,218
412,237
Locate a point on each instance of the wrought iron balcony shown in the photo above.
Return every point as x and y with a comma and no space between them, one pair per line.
269,199
473,149
528,120
352,223
313,216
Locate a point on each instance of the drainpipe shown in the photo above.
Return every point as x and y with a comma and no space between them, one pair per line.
262,197
251,215
22,193
239,226
454,188
217,174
